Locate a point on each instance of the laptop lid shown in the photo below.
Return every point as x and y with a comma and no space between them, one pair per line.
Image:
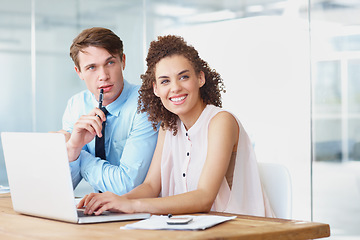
40,179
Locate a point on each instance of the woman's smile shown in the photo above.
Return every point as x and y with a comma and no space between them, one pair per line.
179,99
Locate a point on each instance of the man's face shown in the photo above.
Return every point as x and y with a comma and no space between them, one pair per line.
101,70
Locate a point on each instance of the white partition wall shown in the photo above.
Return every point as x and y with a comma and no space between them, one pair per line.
264,62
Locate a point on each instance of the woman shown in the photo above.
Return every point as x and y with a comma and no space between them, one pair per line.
203,159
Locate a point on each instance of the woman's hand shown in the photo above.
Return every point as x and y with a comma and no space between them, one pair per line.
97,203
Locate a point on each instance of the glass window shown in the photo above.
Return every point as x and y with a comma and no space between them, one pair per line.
15,62
327,88
336,120
354,87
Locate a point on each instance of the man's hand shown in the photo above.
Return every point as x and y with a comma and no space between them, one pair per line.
84,131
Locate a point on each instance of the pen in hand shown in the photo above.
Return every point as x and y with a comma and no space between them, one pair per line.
101,96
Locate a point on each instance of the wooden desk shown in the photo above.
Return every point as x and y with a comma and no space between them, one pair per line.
18,226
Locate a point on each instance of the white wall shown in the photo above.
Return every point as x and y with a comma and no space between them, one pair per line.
264,62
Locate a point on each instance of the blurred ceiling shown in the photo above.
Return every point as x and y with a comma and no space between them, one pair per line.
16,13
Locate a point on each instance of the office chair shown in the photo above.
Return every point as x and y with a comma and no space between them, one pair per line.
276,182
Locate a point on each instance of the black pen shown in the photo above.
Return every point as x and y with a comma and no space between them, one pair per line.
101,96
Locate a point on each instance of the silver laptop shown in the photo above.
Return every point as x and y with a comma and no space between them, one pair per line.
40,180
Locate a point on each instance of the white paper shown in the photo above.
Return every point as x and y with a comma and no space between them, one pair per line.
156,222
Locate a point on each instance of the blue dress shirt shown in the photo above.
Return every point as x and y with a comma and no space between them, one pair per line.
129,143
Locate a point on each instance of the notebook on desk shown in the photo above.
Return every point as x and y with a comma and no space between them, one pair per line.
40,180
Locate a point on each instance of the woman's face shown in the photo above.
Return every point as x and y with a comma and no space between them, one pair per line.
178,86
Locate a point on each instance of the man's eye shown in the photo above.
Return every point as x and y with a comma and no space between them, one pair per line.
111,62
91,68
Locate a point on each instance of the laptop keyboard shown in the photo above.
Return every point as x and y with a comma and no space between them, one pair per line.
80,213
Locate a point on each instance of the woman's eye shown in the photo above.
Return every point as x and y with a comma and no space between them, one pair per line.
164,81
184,77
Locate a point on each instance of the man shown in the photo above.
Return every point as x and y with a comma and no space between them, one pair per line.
129,138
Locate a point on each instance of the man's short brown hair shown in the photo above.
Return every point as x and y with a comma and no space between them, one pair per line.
96,37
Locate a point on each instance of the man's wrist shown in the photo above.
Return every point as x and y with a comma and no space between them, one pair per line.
73,152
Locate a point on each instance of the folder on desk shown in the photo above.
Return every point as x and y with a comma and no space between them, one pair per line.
40,180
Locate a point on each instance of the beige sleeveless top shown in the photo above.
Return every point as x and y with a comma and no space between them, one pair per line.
184,156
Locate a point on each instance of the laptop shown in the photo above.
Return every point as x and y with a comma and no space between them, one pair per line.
40,180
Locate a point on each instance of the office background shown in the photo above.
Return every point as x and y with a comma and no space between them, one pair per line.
291,70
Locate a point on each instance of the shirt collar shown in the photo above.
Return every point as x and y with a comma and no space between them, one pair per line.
198,124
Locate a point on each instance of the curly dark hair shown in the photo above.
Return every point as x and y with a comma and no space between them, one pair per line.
166,46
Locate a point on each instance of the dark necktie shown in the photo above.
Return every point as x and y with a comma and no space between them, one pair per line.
100,142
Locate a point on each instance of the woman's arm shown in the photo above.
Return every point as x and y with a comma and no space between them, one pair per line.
222,137
150,188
